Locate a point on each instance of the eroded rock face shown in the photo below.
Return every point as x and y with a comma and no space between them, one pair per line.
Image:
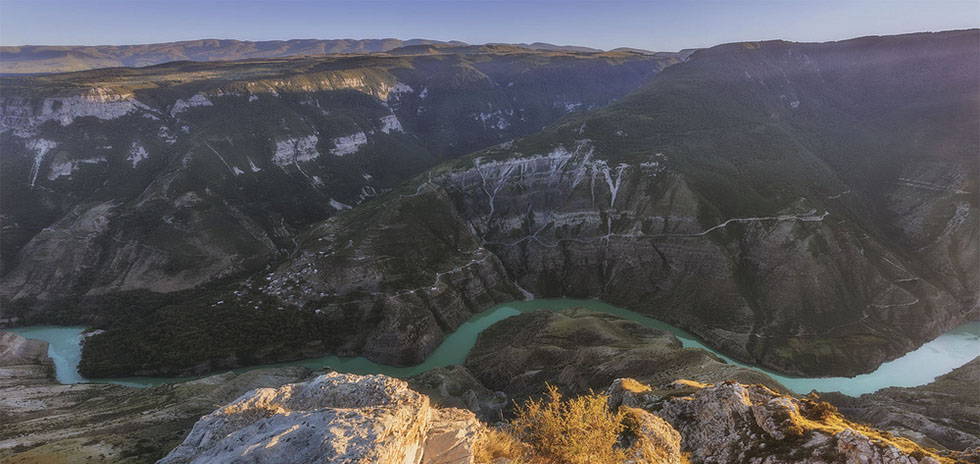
148,151
456,387
332,418
732,422
23,361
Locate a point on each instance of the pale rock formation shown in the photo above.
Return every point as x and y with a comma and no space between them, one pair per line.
292,150
391,124
331,419
183,105
348,144
20,116
137,153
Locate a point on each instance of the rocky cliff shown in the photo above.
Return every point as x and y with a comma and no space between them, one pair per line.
806,207
721,197
166,178
24,362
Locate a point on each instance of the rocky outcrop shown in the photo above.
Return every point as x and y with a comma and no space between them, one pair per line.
941,414
23,362
732,422
332,418
652,438
579,350
456,387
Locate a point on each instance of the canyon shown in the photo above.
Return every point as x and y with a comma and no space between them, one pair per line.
807,208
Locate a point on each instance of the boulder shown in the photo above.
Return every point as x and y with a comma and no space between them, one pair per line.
332,418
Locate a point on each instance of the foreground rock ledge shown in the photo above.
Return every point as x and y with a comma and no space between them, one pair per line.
332,418
345,418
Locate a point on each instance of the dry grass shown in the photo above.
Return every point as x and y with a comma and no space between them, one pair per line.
822,416
558,430
500,444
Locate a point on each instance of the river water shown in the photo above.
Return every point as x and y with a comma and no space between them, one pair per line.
947,352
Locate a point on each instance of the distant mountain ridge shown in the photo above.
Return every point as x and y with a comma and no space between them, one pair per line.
42,59
33,59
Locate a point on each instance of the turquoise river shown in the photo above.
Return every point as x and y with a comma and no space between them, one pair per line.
947,352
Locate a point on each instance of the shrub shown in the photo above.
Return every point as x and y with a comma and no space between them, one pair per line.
500,444
555,430
820,411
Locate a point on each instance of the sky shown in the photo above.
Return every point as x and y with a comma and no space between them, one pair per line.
653,25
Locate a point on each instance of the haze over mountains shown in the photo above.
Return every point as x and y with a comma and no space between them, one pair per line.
36,59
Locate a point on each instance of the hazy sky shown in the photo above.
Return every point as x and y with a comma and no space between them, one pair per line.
656,25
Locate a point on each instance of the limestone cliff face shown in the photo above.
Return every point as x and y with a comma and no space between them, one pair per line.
332,418
734,207
785,202
568,224
158,180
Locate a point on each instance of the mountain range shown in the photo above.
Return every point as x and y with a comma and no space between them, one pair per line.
39,59
809,208
806,207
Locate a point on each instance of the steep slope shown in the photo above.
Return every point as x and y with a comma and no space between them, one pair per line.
806,207
164,178
751,196
769,197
